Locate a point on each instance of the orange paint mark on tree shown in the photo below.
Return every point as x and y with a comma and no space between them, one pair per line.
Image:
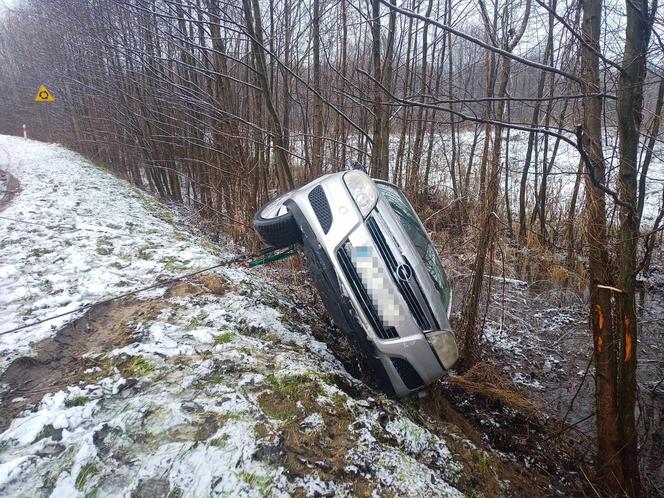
600,316
628,339
599,344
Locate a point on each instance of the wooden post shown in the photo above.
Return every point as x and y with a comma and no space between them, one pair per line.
25,131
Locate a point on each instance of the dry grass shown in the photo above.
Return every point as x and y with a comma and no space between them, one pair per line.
485,380
214,283
537,263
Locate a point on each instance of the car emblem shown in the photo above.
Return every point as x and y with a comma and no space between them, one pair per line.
404,272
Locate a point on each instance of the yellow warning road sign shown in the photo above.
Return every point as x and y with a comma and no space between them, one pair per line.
44,95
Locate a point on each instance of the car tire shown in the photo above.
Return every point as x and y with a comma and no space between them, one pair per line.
276,225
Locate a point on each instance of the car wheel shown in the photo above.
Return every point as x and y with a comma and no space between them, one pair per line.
276,224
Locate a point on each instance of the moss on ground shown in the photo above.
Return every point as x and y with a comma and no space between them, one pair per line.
289,396
137,366
258,483
40,251
87,471
199,320
104,246
144,251
77,401
224,337
175,265
175,493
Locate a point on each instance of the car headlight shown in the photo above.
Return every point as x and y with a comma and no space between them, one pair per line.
445,346
362,189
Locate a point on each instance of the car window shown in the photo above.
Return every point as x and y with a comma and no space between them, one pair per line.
411,224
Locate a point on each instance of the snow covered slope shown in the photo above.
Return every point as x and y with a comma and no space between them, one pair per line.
214,387
74,235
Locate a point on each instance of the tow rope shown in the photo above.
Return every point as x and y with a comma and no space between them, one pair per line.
268,259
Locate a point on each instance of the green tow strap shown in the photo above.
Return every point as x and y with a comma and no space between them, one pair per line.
270,259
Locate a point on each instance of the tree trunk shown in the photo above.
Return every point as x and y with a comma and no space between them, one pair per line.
508,207
532,143
471,345
571,216
629,108
415,166
654,131
317,149
608,439
380,132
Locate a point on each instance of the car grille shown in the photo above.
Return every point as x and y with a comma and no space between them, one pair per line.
321,207
363,297
407,373
404,286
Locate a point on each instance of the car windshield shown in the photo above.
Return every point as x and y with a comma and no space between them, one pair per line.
411,224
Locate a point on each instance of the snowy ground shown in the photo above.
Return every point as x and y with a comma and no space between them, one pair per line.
75,235
209,390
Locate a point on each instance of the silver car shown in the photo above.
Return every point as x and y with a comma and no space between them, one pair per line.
376,269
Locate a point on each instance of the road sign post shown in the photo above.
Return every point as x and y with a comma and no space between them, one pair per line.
45,95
